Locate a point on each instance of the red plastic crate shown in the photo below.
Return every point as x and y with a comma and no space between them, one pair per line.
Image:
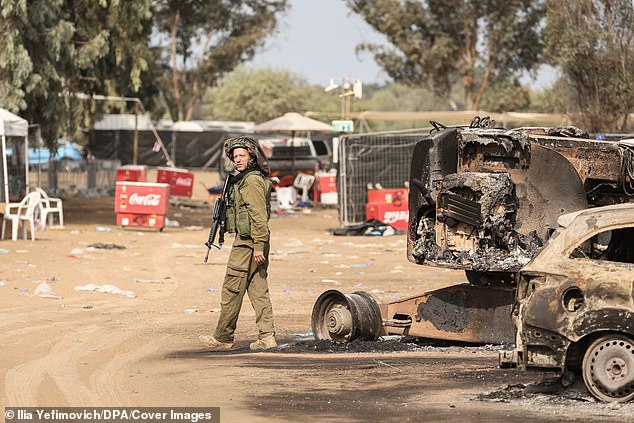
324,184
131,173
181,181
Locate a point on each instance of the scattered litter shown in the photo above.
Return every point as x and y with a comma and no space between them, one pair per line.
105,289
348,266
52,278
396,271
21,251
75,232
193,228
338,273
296,243
103,229
76,251
330,255
23,292
371,227
3,251
87,307
431,275
304,335
172,223
329,281
358,285
140,234
44,290
31,265
137,280
72,256
107,246
212,290
214,310
191,310
396,297
2,283
288,291
312,270
126,269
377,291
177,245
178,214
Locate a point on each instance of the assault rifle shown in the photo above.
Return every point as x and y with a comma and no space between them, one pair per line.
219,219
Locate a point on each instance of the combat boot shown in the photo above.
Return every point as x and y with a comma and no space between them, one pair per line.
264,343
213,344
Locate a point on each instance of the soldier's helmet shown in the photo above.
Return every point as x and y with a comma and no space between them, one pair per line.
254,149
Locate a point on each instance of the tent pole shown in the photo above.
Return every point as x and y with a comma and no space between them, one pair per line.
26,164
5,174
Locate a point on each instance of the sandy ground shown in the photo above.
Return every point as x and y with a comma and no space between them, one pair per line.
107,349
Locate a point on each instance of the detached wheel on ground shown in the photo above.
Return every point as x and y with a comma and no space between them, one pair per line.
344,318
608,368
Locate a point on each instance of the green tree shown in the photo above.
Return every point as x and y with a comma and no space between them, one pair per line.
435,43
592,41
260,95
53,50
202,40
506,95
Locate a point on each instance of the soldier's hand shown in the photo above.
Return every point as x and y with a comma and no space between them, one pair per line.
259,257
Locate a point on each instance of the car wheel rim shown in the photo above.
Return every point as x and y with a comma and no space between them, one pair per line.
608,368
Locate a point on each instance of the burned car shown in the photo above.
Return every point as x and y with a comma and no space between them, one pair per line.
574,307
484,200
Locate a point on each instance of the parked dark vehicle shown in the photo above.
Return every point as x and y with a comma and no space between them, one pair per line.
574,307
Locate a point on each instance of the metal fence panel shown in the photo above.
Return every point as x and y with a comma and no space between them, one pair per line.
372,161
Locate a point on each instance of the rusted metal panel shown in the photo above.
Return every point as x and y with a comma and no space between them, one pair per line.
463,312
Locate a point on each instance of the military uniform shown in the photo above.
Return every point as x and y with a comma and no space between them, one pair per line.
247,217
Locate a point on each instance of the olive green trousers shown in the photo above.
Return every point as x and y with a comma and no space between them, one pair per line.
244,275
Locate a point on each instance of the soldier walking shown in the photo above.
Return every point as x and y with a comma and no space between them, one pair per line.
248,212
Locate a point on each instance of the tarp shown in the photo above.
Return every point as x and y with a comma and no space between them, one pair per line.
12,125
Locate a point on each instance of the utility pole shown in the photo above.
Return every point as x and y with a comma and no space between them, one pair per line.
135,151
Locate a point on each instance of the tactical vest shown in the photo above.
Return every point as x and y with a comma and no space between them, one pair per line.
237,211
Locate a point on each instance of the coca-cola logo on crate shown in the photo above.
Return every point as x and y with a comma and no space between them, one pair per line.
144,200
185,182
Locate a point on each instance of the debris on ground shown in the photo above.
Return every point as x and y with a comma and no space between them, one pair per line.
44,290
105,289
107,246
372,227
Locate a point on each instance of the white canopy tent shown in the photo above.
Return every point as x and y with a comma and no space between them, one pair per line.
13,126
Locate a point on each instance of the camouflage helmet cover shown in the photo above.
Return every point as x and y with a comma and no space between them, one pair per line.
254,149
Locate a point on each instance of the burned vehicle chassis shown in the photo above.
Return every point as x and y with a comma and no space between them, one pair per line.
484,201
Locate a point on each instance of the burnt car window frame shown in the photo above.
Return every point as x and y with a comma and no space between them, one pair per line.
570,251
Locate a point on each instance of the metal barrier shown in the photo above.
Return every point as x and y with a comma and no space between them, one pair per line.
95,176
372,161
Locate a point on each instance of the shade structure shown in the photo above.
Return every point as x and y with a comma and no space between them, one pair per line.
12,125
292,122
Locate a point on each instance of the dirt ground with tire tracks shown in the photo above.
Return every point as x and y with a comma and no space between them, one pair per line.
142,349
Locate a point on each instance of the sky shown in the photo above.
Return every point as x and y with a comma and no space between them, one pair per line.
317,39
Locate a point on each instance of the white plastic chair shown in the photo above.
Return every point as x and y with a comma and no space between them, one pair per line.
304,182
24,212
49,206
